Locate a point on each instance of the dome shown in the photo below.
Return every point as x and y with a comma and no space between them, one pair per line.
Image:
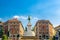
29,33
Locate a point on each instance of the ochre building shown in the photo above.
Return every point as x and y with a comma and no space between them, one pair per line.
15,29
44,30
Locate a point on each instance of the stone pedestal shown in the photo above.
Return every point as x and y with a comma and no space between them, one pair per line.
29,38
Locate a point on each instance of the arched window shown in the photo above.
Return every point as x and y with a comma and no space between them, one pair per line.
43,36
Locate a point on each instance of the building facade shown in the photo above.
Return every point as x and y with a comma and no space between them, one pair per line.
5,28
1,29
57,36
44,29
15,29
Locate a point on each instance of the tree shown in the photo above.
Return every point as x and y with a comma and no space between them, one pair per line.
8,33
1,31
53,37
25,28
4,37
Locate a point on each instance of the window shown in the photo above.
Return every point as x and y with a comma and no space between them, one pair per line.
17,31
0,27
46,32
39,32
13,35
15,26
18,35
36,29
47,27
11,23
47,37
59,34
14,22
39,37
43,36
36,35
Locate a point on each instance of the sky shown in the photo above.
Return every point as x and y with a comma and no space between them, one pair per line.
37,9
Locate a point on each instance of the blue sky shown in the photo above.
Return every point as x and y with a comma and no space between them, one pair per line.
37,9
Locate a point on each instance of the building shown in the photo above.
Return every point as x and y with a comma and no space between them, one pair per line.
57,36
14,28
44,29
1,29
5,28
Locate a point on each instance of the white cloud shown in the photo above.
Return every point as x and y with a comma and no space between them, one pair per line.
25,17
20,17
16,17
25,21
35,18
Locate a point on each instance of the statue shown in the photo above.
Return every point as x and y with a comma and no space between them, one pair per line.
29,18
29,32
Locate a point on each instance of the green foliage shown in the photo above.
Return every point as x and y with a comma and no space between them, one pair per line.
53,37
25,28
4,37
1,30
8,33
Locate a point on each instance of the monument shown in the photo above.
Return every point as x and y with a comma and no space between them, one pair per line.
29,34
